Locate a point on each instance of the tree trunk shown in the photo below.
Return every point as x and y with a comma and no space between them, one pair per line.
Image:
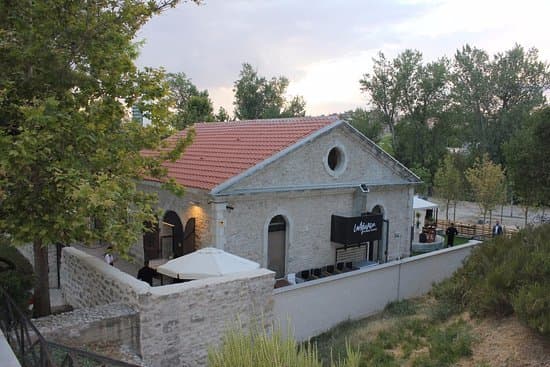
42,288
526,212
454,212
447,210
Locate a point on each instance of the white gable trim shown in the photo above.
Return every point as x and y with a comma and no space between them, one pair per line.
224,185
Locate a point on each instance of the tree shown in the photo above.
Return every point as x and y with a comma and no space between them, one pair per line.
486,180
448,183
259,98
191,105
527,161
369,123
222,115
69,152
384,91
411,97
495,97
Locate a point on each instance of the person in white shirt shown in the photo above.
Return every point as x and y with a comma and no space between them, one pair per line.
108,256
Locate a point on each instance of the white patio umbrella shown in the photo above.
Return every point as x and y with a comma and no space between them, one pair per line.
205,263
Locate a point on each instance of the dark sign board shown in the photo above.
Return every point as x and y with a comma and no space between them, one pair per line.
354,230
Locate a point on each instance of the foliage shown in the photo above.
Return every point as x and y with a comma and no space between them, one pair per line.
385,143
69,152
400,308
424,187
259,348
505,276
259,98
527,160
222,115
486,180
448,182
401,335
495,96
19,281
369,123
190,105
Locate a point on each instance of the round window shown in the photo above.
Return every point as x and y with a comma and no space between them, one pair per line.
334,159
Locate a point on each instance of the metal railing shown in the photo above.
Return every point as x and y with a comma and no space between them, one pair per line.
32,350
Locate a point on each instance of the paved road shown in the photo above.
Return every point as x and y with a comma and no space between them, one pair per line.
469,212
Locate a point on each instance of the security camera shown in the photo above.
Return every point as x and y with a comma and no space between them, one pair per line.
364,188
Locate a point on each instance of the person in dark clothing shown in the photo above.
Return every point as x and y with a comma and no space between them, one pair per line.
497,229
146,274
451,232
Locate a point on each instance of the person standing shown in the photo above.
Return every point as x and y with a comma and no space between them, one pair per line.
451,232
146,274
108,256
497,229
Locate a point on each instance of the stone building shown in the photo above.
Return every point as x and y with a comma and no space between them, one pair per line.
283,193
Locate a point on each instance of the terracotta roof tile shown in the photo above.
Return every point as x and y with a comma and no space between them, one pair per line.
222,150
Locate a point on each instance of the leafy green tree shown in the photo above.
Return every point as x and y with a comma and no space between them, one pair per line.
384,91
412,98
527,161
191,105
69,151
259,98
486,180
222,115
369,123
495,96
448,183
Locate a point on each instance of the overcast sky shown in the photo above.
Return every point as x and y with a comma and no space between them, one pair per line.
324,47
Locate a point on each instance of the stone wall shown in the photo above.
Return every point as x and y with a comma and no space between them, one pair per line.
308,216
178,322
194,204
115,323
27,251
87,281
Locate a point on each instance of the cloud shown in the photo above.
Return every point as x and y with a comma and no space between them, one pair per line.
324,47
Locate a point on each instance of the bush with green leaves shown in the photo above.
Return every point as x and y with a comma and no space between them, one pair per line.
505,276
260,348
16,275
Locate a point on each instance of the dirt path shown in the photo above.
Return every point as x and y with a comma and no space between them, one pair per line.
506,343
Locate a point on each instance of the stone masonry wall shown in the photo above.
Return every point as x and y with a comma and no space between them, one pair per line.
115,323
87,281
185,210
180,322
27,251
308,217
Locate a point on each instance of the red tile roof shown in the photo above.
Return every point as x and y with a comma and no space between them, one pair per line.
222,150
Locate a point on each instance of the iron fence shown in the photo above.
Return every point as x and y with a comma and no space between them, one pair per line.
32,350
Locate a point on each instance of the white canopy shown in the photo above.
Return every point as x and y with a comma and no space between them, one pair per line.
205,263
419,203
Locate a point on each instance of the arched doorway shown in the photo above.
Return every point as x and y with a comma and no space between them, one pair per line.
164,239
376,248
171,235
276,245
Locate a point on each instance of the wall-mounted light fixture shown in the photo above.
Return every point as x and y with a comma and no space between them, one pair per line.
193,202
364,188
229,207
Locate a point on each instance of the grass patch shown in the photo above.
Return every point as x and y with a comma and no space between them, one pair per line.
404,334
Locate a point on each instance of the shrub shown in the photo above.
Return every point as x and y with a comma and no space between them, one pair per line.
259,348
17,278
400,308
503,276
